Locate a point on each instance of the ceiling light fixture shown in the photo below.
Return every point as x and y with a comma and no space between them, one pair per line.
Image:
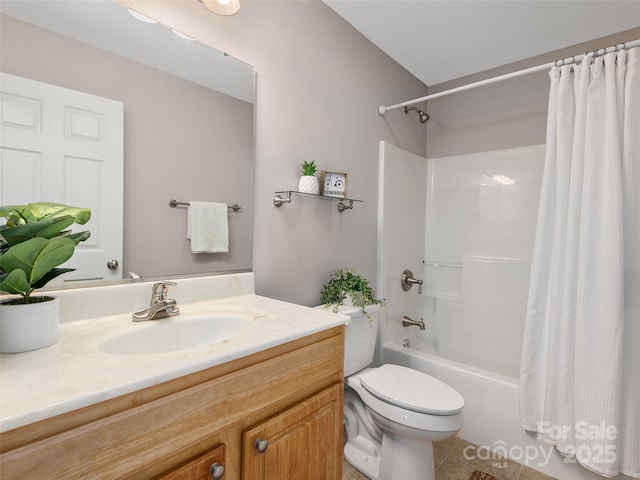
222,7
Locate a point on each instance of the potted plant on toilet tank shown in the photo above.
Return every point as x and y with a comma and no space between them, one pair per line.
33,243
349,288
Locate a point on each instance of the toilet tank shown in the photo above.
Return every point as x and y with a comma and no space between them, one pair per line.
360,337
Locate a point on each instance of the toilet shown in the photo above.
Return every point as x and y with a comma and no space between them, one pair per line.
392,414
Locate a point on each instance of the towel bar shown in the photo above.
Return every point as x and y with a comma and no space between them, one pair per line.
173,204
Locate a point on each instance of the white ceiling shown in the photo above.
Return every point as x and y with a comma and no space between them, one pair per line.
440,40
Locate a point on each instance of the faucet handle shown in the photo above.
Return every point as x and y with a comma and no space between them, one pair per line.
159,291
407,281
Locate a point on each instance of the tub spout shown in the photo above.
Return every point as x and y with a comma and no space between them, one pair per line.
408,322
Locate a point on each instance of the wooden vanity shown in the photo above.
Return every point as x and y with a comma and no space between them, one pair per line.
285,400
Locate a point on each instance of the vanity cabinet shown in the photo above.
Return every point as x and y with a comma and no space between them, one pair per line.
291,395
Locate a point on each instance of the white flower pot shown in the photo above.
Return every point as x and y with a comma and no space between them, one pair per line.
28,327
352,299
308,184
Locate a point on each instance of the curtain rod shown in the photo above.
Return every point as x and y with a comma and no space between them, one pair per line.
601,51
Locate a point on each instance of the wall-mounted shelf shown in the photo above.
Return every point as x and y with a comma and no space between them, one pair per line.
283,197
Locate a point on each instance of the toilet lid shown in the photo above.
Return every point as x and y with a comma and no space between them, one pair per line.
412,389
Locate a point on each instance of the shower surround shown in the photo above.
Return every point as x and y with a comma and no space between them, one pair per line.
471,223
465,225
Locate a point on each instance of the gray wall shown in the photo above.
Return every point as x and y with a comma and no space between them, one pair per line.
319,85
507,114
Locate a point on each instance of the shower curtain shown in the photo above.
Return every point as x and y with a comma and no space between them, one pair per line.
580,370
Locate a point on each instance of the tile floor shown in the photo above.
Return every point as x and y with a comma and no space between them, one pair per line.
451,464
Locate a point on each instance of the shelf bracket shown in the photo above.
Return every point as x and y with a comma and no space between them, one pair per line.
278,200
342,207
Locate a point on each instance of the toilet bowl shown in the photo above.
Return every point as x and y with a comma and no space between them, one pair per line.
392,414
404,412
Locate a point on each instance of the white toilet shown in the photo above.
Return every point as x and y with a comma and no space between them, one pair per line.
392,414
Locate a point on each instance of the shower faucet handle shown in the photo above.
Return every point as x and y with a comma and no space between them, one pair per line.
407,281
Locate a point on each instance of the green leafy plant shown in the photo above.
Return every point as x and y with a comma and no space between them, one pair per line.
33,242
344,281
309,168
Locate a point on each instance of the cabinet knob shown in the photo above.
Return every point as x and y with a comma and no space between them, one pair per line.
216,471
261,444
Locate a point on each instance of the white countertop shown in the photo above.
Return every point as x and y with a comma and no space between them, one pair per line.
72,374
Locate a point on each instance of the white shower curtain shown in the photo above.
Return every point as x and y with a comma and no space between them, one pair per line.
580,371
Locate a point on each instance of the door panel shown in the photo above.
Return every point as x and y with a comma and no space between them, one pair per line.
65,146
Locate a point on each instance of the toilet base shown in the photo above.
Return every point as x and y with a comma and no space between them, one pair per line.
383,454
366,463
383,450
401,459
405,459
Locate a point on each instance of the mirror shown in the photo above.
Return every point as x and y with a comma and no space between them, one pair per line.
188,124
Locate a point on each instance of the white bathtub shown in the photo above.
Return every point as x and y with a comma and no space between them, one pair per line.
491,412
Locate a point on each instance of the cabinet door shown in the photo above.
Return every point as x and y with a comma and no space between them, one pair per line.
303,442
203,467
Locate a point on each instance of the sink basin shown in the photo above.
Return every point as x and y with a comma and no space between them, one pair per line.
193,327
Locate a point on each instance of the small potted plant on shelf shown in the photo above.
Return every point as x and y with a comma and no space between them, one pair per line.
33,243
308,182
346,287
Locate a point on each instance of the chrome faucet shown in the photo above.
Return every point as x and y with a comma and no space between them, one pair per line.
408,322
160,306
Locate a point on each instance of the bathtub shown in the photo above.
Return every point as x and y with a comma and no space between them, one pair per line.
491,417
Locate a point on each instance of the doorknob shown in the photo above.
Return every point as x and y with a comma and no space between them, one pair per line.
113,264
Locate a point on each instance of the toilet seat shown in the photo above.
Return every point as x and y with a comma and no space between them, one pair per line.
412,389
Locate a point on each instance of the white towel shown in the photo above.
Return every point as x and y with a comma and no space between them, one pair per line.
208,227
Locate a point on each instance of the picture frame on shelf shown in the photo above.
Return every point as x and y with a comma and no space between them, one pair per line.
333,184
